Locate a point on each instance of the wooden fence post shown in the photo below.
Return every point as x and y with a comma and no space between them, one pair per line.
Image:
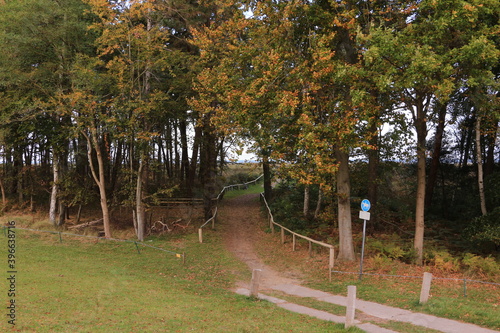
200,235
351,306
426,287
293,242
331,263
282,236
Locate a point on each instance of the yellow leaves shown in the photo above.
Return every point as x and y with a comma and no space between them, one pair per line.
247,101
288,101
467,6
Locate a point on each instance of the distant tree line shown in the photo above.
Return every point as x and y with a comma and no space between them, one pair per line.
122,101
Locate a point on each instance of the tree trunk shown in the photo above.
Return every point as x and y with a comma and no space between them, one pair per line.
479,158
194,159
117,165
99,178
208,166
346,247
307,198
184,151
467,141
4,198
421,127
266,170
55,190
140,210
62,213
18,167
373,166
319,203
436,153
489,165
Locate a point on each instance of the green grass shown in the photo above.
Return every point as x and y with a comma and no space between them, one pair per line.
252,189
341,311
480,307
87,286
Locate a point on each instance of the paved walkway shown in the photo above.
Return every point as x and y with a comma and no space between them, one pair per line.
370,308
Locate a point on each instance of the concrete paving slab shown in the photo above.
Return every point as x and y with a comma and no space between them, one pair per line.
387,312
372,328
323,315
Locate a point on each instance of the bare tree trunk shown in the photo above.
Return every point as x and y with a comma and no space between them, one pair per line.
198,131
208,168
319,203
140,210
373,178
346,247
467,141
55,190
489,165
479,158
4,197
62,213
19,175
99,178
307,198
421,127
184,150
436,153
266,170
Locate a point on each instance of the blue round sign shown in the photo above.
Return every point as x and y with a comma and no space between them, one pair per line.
365,205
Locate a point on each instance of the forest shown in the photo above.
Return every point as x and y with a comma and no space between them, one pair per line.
120,103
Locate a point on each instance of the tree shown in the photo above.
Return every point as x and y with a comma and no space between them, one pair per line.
42,39
296,96
422,62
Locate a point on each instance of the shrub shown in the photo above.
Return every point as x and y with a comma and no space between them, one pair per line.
442,260
485,267
485,230
388,249
381,263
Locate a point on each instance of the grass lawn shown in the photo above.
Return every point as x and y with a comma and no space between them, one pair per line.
81,285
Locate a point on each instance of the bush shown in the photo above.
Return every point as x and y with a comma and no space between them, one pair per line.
380,263
484,267
388,248
442,260
485,230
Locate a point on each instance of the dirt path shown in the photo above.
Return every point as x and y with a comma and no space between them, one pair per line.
243,221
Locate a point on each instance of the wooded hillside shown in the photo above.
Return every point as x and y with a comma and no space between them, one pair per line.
118,103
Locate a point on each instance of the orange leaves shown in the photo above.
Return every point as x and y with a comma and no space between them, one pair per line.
288,101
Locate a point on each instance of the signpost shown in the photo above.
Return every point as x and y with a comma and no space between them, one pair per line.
365,216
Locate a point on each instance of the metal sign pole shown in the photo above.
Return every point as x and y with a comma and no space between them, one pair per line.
364,215
362,251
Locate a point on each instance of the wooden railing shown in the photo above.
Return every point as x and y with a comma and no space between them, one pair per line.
219,197
311,241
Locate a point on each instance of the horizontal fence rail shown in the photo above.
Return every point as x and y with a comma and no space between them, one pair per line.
61,234
311,241
219,197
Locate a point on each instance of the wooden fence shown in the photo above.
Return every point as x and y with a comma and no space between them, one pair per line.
311,241
213,219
